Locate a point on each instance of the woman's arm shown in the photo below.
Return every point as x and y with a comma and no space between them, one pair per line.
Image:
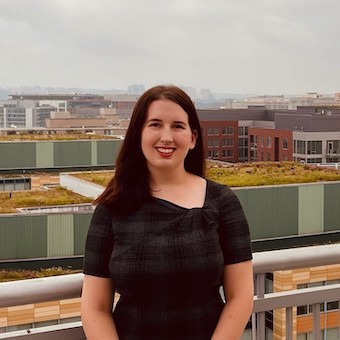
96,308
239,289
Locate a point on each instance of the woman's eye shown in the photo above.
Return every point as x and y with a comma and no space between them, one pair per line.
154,124
178,126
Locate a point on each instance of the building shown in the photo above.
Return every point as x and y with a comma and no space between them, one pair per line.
65,120
225,131
29,111
285,102
316,133
15,113
221,140
270,144
308,134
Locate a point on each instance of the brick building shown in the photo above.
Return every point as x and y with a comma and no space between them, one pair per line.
221,140
270,144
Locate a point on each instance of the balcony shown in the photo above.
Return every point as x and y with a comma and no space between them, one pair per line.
69,286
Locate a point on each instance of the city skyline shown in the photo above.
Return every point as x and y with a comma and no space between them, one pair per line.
262,47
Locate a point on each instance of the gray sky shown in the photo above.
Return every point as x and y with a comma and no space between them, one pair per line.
236,46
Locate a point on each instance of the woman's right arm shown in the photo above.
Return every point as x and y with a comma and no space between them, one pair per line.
96,308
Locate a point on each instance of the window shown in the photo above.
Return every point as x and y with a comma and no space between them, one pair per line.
230,153
253,155
300,147
224,131
285,143
269,156
314,160
230,130
262,141
326,306
314,147
215,153
210,142
210,130
269,142
230,142
241,130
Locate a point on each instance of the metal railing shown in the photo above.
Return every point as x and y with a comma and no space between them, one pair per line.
69,286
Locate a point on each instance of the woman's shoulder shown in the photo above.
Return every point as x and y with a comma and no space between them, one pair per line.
102,211
218,188
219,193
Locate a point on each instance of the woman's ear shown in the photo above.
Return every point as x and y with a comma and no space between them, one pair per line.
193,139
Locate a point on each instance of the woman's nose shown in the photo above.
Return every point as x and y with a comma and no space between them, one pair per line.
166,136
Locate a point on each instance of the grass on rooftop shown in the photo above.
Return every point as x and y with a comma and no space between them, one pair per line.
22,274
249,174
271,173
9,201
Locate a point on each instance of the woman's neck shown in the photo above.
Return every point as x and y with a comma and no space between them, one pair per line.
186,190
161,178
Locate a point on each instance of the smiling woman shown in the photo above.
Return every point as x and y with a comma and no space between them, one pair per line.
165,238
167,137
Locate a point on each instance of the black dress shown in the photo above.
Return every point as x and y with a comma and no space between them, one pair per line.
167,262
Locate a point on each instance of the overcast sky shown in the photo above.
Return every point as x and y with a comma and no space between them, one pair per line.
233,46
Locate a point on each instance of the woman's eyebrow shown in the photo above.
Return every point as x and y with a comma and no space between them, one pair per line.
160,120
154,120
180,122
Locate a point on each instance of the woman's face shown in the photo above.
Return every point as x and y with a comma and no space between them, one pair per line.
166,136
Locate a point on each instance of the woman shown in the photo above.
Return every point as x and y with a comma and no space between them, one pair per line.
165,238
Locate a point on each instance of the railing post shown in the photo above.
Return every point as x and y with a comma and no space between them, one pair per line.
316,321
260,317
289,323
338,320
253,326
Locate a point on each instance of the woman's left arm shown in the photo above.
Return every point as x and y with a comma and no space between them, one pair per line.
239,290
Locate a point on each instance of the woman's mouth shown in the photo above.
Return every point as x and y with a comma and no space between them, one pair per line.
165,151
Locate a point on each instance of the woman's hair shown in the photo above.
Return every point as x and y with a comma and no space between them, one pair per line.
129,188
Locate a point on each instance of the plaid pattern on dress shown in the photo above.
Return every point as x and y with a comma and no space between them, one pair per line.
167,262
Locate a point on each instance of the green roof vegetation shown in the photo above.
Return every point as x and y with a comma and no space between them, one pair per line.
271,173
98,177
249,174
22,274
9,201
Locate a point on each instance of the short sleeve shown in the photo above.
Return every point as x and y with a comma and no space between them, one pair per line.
233,228
99,243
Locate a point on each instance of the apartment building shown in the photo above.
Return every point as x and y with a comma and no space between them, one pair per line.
270,144
308,134
225,131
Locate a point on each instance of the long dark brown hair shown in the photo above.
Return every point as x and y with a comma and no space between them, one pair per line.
129,188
